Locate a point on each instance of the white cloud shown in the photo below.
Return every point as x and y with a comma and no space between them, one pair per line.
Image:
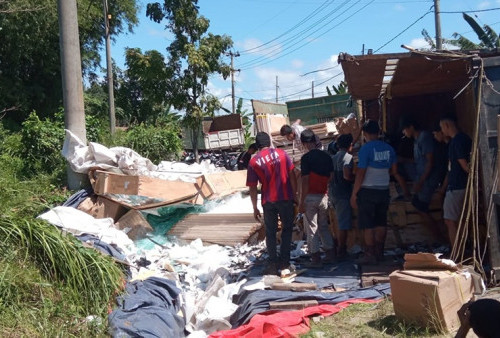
484,5
155,32
399,8
419,43
296,63
252,46
293,86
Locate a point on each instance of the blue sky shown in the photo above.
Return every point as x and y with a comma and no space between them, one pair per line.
289,38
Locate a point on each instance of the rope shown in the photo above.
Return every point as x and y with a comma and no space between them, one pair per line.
469,218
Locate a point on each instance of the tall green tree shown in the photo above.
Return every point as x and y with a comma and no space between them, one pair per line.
195,54
142,87
30,65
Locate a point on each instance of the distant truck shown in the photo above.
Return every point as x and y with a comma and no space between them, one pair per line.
219,133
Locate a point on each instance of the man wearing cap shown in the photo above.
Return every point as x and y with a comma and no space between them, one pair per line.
370,194
316,172
273,168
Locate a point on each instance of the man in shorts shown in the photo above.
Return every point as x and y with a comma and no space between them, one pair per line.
341,190
455,183
316,172
370,194
274,170
427,176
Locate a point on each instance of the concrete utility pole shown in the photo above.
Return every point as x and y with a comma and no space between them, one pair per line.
109,66
232,78
312,89
277,88
71,71
437,19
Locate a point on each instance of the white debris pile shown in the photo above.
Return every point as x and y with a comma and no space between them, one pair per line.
78,222
82,158
235,204
208,275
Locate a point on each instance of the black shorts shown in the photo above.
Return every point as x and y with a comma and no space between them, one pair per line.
419,204
372,207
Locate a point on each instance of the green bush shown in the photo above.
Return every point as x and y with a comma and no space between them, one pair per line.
155,143
97,128
42,142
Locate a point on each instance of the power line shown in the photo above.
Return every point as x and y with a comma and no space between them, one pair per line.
277,47
307,89
313,13
404,30
474,11
309,41
319,70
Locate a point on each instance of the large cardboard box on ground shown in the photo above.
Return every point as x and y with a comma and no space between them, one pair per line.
430,298
101,207
134,224
226,182
163,191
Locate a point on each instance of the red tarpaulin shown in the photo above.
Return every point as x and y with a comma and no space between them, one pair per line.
285,324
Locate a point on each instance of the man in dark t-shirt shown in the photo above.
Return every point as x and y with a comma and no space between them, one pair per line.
244,157
455,183
316,171
341,190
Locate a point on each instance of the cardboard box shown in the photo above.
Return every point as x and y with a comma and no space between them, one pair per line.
134,225
166,191
227,182
430,298
101,207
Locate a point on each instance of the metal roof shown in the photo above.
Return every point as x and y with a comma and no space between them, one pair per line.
405,74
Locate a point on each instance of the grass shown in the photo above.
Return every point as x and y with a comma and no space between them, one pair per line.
367,320
49,282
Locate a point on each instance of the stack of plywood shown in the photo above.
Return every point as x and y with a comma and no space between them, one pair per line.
222,229
406,226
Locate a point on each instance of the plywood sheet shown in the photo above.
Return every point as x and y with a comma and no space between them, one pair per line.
222,229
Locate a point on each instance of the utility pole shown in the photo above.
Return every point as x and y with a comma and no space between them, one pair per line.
437,19
109,66
312,89
72,85
277,88
232,78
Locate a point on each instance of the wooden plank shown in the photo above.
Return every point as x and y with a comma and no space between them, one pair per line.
292,305
294,286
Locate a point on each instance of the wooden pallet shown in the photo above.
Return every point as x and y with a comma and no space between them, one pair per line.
222,229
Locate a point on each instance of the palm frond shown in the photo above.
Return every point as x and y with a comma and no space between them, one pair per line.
481,34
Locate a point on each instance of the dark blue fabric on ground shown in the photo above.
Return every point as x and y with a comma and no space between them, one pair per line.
344,275
254,302
148,309
77,198
103,247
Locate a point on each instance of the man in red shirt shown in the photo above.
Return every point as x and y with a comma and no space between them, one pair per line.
273,168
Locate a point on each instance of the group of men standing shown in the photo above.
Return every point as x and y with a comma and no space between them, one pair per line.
365,188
